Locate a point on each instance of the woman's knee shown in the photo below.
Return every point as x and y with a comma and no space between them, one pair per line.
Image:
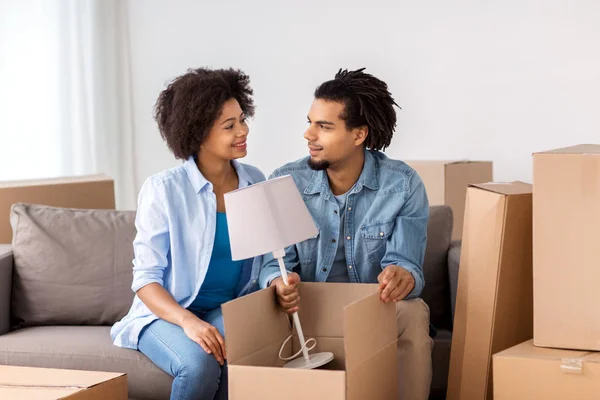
199,365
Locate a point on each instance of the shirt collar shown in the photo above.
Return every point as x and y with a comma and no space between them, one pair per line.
319,183
198,180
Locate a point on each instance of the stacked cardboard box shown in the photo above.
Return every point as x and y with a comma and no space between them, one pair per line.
446,184
494,303
89,191
562,360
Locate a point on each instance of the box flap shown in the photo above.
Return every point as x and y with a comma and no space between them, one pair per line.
506,188
578,149
369,326
376,377
48,378
322,306
55,181
252,323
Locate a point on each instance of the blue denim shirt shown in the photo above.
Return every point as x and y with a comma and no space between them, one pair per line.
385,223
176,224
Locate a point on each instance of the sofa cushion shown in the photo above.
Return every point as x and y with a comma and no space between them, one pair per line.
84,348
435,267
71,267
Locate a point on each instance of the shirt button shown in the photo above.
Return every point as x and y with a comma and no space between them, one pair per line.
335,211
349,208
349,266
348,238
333,240
324,269
381,233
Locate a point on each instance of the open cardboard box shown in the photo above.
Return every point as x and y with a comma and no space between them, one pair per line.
346,319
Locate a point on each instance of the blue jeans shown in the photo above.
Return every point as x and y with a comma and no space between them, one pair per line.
197,374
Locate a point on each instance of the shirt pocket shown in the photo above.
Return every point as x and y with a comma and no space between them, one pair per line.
375,237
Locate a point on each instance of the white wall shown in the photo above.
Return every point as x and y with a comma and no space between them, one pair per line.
475,80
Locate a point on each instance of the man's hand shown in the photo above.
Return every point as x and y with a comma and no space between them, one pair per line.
287,296
395,283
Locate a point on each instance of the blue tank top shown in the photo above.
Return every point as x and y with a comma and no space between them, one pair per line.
223,275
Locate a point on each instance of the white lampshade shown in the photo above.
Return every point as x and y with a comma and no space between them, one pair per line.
266,217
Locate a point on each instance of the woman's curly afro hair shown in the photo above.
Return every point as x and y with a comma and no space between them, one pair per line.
187,109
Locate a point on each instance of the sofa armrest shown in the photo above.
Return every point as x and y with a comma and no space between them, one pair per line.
453,266
6,268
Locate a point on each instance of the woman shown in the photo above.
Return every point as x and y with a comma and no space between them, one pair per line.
183,270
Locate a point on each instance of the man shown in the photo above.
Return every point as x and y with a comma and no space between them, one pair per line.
371,213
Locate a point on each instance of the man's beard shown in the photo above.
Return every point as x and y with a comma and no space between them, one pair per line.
318,165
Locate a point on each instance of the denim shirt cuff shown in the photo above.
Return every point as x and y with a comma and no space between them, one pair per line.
266,280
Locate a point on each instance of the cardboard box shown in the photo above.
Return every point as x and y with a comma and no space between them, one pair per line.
494,303
90,191
446,183
45,384
566,247
348,320
525,372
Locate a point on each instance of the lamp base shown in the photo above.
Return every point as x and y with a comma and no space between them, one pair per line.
314,361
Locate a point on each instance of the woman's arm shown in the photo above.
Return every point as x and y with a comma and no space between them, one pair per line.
151,247
163,305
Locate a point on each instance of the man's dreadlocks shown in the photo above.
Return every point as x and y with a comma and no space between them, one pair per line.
367,101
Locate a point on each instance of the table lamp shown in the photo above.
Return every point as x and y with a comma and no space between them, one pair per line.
266,218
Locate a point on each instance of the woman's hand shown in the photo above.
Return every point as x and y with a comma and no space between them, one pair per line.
206,335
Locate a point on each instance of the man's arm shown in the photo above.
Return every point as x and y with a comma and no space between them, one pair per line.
406,245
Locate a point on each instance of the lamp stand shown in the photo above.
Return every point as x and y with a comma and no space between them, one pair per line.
307,361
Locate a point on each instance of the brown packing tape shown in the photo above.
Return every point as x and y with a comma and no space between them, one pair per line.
590,174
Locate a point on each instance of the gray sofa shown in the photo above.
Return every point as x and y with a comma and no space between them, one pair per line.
66,279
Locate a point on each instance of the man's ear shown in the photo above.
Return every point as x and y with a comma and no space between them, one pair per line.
360,135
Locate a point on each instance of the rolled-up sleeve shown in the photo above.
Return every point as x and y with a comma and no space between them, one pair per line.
151,243
406,246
